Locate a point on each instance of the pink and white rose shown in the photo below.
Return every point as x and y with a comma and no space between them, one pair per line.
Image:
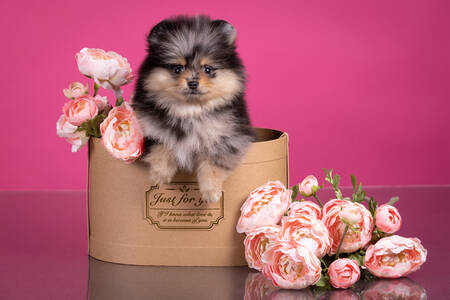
121,133
343,273
80,110
101,101
308,186
69,132
299,208
336,213
291,266
264,206
308,232
256,243
76,89
108,69
395,256
388,219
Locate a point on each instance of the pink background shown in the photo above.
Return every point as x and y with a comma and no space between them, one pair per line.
361,87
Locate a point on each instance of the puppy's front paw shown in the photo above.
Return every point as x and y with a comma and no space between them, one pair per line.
211,196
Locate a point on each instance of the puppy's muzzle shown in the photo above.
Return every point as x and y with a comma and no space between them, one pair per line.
193,84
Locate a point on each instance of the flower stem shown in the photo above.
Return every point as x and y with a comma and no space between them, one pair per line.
318,200
96,87
119,101
342,240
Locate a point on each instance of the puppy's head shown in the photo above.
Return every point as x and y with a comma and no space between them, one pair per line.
194,61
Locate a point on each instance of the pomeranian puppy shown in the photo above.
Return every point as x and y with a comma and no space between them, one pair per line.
189,100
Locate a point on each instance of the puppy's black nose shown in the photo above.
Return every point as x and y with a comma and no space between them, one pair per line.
193,84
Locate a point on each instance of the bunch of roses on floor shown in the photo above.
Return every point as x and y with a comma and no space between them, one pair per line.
297,244
85,116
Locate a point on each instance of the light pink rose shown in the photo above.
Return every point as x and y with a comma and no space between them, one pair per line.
121,133
264,206
402,288
354,213
343,273
78,140
80,110
291,266
258,287
395,256
388,219
101,101
75,90
256,243
69,132
108,69
308,232
299,208
308,186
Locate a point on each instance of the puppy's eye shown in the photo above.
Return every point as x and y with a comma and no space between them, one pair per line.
178,69
207,69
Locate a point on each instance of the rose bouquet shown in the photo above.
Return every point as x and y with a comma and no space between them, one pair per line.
85,116
297,244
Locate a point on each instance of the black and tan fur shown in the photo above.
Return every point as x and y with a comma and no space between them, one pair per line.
189,100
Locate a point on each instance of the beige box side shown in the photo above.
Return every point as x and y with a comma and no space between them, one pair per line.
120,232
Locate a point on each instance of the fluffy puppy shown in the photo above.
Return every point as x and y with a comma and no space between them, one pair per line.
189,99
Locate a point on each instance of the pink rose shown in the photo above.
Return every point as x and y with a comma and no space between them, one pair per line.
388,219
68,131
335,213
308,186
308,232
108,69
258,287
75,90
264,206
402,288
101,102
291,266
395,256
256,243
299,208
343,273
121,133
80,110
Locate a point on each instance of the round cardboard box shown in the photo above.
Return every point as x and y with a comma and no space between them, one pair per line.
133,221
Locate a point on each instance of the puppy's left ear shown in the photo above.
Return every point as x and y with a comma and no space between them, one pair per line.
227,29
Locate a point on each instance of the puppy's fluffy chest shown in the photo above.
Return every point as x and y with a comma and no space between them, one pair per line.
188,137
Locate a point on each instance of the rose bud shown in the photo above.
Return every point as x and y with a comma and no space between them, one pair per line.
75,90
291,266
343,273
388,219
101,101
395,256
354,214
256,243
80,110
264,206
308,186
121,133
299,208
308,232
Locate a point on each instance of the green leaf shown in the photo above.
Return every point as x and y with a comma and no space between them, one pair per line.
323,281
393,200
358,258
295,190
353,178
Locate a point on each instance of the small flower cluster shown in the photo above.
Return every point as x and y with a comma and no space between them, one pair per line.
297,244
85,116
